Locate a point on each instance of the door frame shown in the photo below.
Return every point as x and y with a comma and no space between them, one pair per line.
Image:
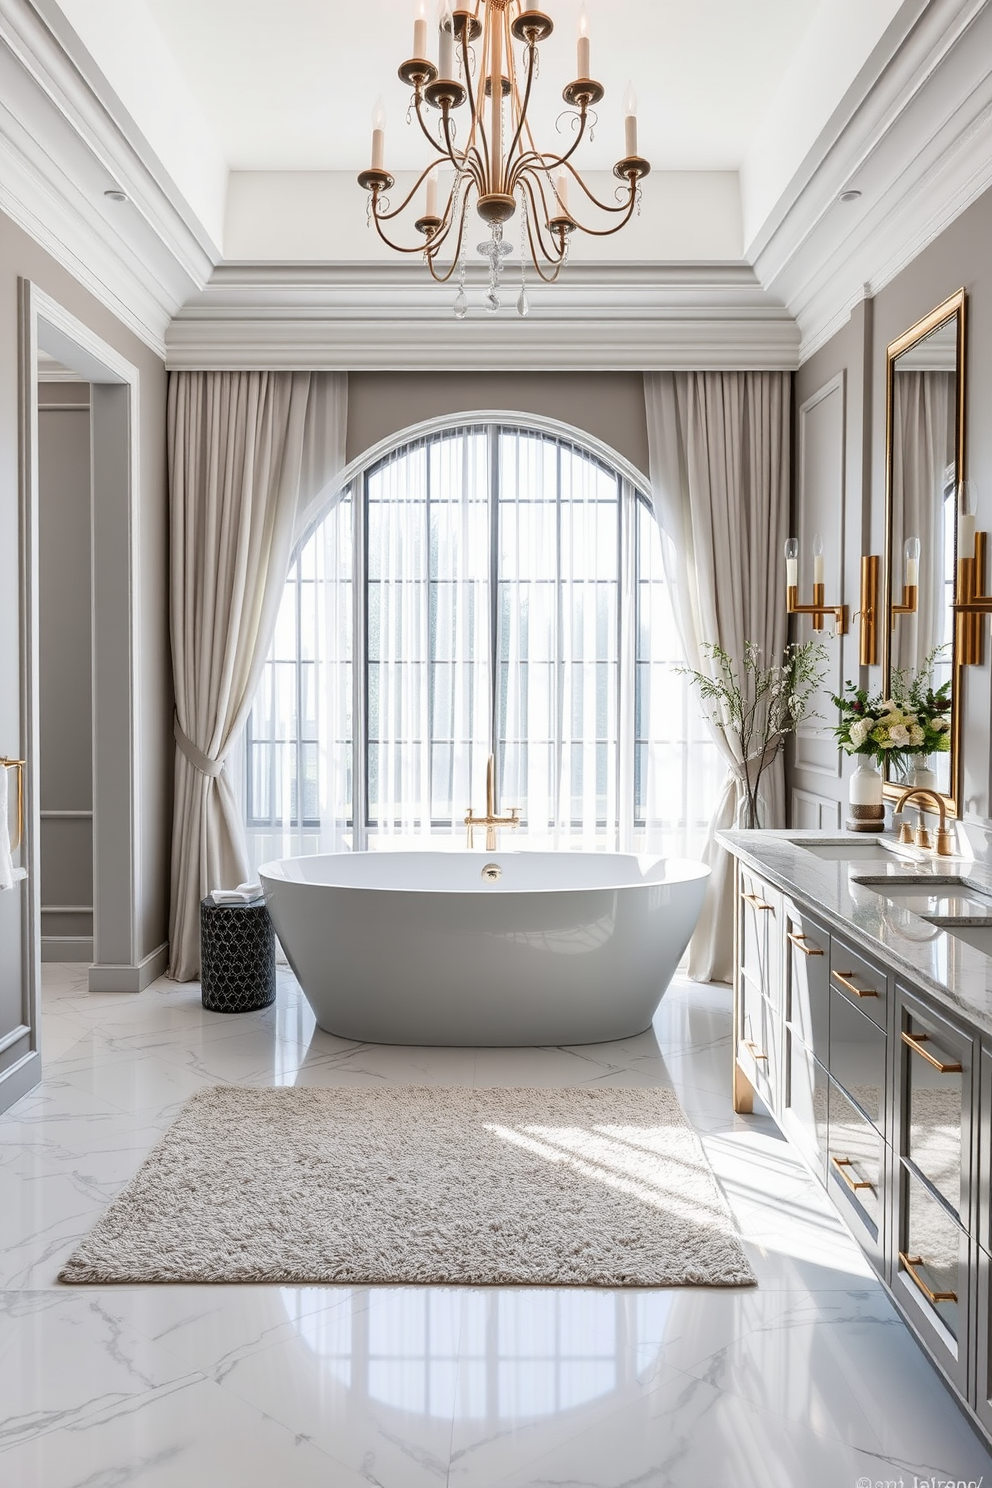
115,600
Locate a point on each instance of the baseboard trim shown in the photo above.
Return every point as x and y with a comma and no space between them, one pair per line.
67,948
134,978
19,1079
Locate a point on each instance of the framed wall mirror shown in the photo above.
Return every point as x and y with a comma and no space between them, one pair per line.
925,452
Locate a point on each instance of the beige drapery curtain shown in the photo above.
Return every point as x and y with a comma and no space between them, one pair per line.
923,444
248,451
719,446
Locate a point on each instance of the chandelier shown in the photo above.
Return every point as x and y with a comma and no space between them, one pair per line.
496,164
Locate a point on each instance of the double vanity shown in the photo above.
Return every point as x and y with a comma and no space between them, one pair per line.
863,1021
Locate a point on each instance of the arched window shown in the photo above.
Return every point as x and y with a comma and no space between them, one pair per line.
488,588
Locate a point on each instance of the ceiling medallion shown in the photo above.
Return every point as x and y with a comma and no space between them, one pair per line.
498,168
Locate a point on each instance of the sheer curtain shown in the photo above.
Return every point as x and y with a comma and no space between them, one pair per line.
558,641
428,635
244,450
719,445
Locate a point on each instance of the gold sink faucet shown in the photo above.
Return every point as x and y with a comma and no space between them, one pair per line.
945,840
490,821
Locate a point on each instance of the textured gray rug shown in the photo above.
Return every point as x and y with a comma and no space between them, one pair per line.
408,1185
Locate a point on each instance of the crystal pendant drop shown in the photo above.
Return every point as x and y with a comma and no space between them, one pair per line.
523,304
492,302
461,304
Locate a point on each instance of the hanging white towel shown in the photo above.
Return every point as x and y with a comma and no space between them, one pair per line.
6,863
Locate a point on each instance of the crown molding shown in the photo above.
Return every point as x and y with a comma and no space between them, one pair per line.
617,317
914,134
64,139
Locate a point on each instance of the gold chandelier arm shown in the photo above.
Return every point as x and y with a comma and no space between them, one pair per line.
522,104
627,208
396,247
389,216
418,99
555,255
445,276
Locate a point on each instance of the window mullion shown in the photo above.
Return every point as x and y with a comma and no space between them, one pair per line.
627,598
359,668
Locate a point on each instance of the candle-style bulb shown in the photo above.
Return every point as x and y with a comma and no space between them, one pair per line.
446,40
630,120
817,545
792,563
420,30
583,44
378,134
912,549
911,552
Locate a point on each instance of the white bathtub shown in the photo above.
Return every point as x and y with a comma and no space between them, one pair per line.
423,948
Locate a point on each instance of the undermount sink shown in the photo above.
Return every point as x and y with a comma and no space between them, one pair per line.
934,896
979,936
842,851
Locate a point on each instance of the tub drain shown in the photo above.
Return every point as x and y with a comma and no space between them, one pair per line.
492,872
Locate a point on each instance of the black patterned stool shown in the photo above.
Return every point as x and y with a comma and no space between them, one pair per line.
237,957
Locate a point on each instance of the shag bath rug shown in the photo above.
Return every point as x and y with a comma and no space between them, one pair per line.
415,1186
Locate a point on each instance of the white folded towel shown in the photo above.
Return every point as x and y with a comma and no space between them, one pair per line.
6,862
243,894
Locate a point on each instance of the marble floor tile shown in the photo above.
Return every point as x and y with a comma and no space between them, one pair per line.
808,1380
191,1434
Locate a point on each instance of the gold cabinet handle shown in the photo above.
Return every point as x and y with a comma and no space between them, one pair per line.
910,1264
843,978
842,1164
915,1042
755,902
753,1049
797,941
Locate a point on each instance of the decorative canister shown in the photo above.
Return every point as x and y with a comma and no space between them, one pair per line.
865,797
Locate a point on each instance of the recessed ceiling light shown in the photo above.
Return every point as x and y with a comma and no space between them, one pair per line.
850,196
115,194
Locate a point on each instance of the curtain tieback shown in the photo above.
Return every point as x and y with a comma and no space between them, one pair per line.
196,757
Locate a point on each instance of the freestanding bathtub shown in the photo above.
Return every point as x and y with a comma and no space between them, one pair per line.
507,948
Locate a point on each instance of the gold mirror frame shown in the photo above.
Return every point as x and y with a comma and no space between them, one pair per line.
951,309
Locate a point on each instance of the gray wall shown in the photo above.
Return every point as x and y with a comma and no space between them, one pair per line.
20,256
66,672
608,405
959,257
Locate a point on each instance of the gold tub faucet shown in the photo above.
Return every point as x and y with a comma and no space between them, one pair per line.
490,821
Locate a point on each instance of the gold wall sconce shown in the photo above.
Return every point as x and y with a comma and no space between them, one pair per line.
910,581
819,609
868,611
972,602
869,598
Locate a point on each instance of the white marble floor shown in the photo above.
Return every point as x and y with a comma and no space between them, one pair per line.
807,1381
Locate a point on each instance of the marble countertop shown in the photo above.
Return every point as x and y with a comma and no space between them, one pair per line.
852,897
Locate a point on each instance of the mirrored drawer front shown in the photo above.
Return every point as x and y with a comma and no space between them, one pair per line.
757,1047
934,1255
807,1006
806,1098
934,1136
855,1156
859,981
857,1056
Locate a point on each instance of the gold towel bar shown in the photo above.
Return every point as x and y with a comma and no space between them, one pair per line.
18,765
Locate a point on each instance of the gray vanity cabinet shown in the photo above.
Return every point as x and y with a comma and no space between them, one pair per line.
805,1034
935,1139
758,1007
981,1252
888,1096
